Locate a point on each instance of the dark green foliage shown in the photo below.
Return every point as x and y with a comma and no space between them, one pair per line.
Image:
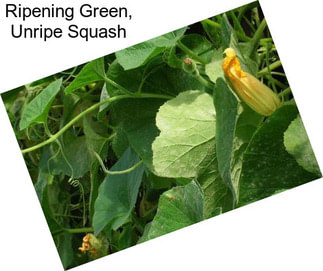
153,138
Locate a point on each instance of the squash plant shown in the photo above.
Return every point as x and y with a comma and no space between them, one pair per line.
157,137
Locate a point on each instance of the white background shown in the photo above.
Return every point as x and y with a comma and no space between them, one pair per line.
283,232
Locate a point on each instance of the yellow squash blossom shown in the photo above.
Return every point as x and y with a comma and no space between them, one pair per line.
87,245
95,246
254,93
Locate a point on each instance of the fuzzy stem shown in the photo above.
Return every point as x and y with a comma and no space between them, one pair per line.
190,52
204,82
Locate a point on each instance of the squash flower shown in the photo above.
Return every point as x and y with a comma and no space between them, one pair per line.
97,247
88,244
254,93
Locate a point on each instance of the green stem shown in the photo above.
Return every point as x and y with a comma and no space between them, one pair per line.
47,131
271,67
71,74
190,52
256,38
57,106
79,230
116,85
265,40
111,137
285,92
204,82
278,73
277,82
90,109
270,78
117,172
72,231
212,23
249,23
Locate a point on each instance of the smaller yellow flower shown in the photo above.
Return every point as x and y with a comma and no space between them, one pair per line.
87,245
95,246
254,93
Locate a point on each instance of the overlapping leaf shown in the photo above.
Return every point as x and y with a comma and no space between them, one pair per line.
177,208
139,54
267,166
218,198
298,145
92,72
187,135
235,126
137,124
70,156
118,194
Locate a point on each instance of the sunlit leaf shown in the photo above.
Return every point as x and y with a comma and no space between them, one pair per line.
177,208
187,135
299,146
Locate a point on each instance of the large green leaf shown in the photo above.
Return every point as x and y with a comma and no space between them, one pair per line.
299,146
118,194
235,125
267,167
91,72
217,195
177,208
37,110
187,135
228,110
138,55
